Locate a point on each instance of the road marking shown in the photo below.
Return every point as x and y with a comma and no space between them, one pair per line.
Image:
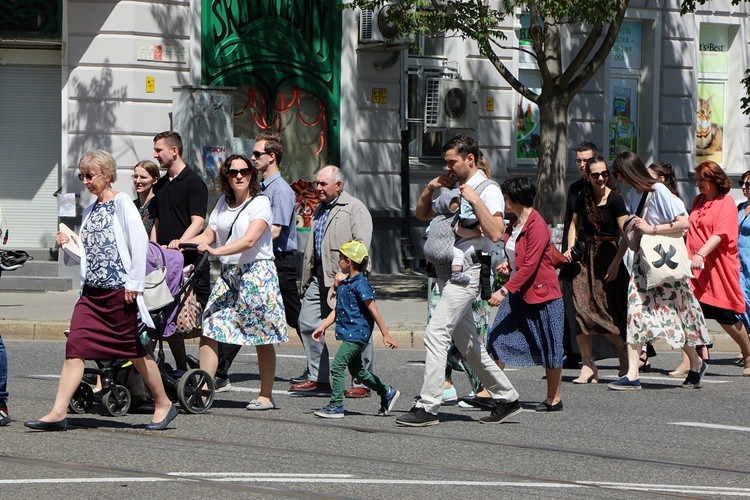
350,479
713,426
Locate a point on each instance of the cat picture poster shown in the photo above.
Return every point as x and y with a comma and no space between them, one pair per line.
709,130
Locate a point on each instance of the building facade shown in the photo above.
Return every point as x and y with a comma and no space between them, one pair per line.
78,75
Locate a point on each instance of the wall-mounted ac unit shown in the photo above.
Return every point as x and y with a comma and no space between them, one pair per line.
451,103
375,29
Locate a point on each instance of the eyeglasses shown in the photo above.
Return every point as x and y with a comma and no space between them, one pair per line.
745,184
596,175
582,160
88,176
244,172
258,154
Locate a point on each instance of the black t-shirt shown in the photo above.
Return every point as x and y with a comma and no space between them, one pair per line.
608,214
176,201
574,192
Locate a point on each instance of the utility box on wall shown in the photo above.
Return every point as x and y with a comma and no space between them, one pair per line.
203,117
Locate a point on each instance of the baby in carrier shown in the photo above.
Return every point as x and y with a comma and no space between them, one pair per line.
465,225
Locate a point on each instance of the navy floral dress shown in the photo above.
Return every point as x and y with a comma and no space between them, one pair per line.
104,268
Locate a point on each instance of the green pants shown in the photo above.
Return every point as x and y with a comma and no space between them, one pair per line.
349,354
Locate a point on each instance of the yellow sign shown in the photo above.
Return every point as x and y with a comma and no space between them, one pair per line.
490,104
150,84
379,96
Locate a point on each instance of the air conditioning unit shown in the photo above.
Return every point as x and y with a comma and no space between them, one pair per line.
451,103
375,29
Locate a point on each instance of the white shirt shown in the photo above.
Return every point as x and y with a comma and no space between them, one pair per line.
492,197
662,206
221,220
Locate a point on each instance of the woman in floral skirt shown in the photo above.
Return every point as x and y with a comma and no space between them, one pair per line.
669,311
245,306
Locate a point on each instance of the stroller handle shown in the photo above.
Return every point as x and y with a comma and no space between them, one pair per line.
193,247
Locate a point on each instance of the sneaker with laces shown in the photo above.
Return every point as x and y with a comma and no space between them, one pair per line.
222,384
330,411
417,417
388,401
502,412
4,415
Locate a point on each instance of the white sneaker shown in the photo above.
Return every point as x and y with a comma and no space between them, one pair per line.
450,396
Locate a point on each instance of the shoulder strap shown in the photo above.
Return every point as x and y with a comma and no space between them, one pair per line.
237,217
639,210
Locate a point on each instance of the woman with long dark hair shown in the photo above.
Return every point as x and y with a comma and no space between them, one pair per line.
669,311
600,288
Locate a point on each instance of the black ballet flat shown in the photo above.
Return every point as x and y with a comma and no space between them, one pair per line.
40,425
160,426
544,406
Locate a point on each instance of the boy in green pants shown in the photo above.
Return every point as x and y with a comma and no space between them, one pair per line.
354,315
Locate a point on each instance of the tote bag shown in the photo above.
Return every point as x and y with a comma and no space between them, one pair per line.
664,259
156,293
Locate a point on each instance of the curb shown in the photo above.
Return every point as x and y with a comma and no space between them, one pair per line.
406,339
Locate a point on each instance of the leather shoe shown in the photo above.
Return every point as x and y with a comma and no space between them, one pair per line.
480,402
309,386
357,392
298,380
544,406
40,425
160,426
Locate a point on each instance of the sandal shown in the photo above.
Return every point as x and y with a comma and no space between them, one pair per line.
643,363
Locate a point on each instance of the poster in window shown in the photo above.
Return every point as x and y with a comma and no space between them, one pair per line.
527,129
623,111
709,131
713,47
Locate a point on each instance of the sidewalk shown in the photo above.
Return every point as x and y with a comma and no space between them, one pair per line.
401,299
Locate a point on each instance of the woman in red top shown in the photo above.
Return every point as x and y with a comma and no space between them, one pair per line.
712,244
528,328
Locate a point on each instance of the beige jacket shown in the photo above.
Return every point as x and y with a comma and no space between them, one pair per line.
349,220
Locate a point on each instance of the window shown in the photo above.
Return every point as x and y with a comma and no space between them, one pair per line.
626,66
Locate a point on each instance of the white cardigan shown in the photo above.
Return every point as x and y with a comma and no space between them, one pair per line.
132,245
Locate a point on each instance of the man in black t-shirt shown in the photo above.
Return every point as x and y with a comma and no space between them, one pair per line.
584,151
181,204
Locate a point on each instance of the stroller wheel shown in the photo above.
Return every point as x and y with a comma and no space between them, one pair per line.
195,391
82,400
117,401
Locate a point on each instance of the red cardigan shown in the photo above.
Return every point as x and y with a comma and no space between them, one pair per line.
534,275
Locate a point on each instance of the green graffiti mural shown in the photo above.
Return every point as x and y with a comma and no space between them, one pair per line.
284,56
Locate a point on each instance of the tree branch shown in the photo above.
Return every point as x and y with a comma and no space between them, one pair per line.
486,50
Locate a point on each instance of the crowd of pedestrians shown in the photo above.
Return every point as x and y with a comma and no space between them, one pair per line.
553,306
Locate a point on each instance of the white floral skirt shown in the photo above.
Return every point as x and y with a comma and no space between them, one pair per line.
245,306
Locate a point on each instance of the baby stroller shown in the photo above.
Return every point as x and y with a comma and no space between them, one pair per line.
10,260
122,387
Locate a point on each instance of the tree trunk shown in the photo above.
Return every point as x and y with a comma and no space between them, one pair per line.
550,197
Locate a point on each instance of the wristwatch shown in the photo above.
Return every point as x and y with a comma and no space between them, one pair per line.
503,292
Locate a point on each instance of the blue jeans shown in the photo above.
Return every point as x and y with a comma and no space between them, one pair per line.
3,373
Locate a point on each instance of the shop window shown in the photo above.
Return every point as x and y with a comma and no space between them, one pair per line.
626,71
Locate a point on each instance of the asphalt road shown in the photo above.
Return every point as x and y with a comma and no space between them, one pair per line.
659,442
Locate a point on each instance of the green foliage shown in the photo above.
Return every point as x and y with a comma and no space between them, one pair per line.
688,6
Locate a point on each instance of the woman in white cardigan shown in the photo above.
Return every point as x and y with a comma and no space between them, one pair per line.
112,247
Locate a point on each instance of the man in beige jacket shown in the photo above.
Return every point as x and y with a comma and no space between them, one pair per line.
338,218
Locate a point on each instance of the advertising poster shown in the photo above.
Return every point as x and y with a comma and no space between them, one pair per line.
713,50
623,111
709,131
213,157
626,51
527,129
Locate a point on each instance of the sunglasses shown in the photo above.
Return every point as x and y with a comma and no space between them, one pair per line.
244,172
745,184
258,154
88,177
596,175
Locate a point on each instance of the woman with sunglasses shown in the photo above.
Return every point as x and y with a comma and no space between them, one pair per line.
743,245
600,288
245,305
104,325
669,311
712,242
